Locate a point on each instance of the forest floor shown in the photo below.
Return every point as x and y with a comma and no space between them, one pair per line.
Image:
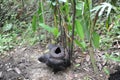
22,64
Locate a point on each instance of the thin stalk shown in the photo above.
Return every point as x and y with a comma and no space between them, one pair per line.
73,27
60,25
91,48
42,8
93,61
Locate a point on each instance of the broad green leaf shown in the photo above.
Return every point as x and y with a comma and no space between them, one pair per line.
78,13
34,23
81,44
46,27
95,39
115,59
112,57
52,30
85,25
79,29
7,27
80,5
55,32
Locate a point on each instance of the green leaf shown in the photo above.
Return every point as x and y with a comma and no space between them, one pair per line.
106,70
40,12
77,65
40,9
34,22
7,27
80,5
102,10
109,10
86,31
115,59
112,57
95,39
108,22
63,1
55,32
96,8
46,27
81,44
52,30
79,29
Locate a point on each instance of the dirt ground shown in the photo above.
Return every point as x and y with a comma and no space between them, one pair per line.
22,64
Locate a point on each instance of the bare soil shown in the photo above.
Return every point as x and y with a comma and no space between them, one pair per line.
22,64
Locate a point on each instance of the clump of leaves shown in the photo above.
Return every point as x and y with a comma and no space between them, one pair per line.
106,70
113,56
5,43
29,37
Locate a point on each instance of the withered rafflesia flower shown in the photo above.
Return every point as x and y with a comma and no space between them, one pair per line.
57,58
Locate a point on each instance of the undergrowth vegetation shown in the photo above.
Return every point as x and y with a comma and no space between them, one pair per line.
15,25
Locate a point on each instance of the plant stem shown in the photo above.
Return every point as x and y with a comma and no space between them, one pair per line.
91,49
73,27
42,11
42,8
93,61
